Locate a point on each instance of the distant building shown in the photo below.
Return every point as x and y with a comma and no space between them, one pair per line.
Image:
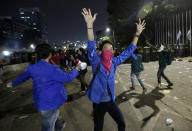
34,18
12,28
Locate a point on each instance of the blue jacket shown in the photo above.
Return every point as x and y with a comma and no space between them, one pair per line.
48,90
99,84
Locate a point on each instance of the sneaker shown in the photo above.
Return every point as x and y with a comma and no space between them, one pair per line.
64,124
144,89
170,84
82,92
132,88
124,98
60,125
159,85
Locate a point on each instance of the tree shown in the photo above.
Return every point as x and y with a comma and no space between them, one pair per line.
122,18
124,13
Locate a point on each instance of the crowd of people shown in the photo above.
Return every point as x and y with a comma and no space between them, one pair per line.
68,59
52,69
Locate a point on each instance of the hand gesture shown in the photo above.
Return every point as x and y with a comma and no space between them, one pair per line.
89,19
140,26
9,85
78,66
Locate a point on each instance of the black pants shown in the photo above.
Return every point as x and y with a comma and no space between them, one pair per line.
161,73
82,80
99,111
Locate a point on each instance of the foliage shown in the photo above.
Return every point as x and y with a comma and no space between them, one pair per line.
124,13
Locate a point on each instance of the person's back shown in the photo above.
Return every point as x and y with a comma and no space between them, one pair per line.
136,68
48,90
163,58
136,64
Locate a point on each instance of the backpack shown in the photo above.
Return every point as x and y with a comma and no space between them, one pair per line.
141,67
169,58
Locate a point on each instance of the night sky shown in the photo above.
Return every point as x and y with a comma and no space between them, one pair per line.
64,19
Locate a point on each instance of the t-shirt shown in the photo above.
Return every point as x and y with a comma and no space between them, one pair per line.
56,60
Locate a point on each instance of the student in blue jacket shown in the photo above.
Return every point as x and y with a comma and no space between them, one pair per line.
102,89
48,90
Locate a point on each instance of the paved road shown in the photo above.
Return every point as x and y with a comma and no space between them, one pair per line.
142,111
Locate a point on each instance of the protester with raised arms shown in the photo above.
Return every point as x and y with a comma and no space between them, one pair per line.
102,88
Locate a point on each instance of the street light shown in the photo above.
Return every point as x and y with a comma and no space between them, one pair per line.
6,53
32,46
108,30
113,35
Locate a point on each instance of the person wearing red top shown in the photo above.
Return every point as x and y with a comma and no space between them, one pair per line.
55,59
52,59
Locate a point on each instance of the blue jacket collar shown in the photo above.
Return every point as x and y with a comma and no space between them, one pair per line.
43,61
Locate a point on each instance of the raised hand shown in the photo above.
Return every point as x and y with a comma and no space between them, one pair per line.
89,19
140,26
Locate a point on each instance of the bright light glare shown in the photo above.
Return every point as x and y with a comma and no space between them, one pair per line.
32,46
84,46
6,53
108,29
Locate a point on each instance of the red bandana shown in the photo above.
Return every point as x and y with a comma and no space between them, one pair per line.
107,59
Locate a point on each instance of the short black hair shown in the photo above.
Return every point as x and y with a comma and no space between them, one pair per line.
82,50
158,45
105,42
42,51
136,51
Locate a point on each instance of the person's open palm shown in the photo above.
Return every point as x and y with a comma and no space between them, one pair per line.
89,19
140,26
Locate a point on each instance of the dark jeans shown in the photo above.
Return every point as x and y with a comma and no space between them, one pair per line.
161,73
51,121
99,111
82,80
